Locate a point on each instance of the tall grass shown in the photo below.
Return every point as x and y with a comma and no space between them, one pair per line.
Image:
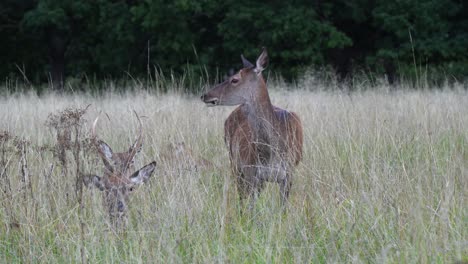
384,179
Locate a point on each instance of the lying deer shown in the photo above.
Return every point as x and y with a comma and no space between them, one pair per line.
120,177
180,156
264,141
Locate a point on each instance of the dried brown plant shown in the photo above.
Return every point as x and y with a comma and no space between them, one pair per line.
67,126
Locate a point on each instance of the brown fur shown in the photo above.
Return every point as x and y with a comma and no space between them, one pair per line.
236,126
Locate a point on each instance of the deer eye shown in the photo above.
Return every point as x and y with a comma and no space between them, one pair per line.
131,189
234,80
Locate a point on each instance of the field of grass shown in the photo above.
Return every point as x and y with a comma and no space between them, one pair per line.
384,179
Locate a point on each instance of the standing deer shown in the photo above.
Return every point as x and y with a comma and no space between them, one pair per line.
264,141
120,177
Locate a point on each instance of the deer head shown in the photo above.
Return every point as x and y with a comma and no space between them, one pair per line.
120,177
242,87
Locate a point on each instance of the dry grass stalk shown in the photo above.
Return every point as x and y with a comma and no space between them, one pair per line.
6,191
5,138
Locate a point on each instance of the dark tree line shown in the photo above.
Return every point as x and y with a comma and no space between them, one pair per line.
54,39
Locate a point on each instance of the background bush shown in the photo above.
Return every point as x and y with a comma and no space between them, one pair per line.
50,40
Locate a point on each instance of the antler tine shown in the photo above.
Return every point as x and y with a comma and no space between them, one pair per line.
96,143
138,143
140,135
93,129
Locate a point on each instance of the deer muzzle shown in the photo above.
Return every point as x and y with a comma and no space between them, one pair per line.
210,100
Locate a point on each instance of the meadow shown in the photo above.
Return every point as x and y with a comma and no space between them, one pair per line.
384,179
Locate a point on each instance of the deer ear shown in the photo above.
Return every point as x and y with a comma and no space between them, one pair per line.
93,181
262,61
142,175
105,150
106,154
246,63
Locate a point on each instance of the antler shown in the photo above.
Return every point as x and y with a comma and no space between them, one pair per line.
98,144
126,158
93,129
138,142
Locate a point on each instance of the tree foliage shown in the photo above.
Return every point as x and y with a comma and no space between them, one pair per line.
49,40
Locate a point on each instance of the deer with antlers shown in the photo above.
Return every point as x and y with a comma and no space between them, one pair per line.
264,141
120,177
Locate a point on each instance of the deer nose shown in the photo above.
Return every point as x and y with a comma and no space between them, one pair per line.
209,100
120,206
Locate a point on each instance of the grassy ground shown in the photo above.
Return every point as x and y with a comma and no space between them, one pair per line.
384,179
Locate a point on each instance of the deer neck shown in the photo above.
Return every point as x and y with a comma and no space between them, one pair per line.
260,114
